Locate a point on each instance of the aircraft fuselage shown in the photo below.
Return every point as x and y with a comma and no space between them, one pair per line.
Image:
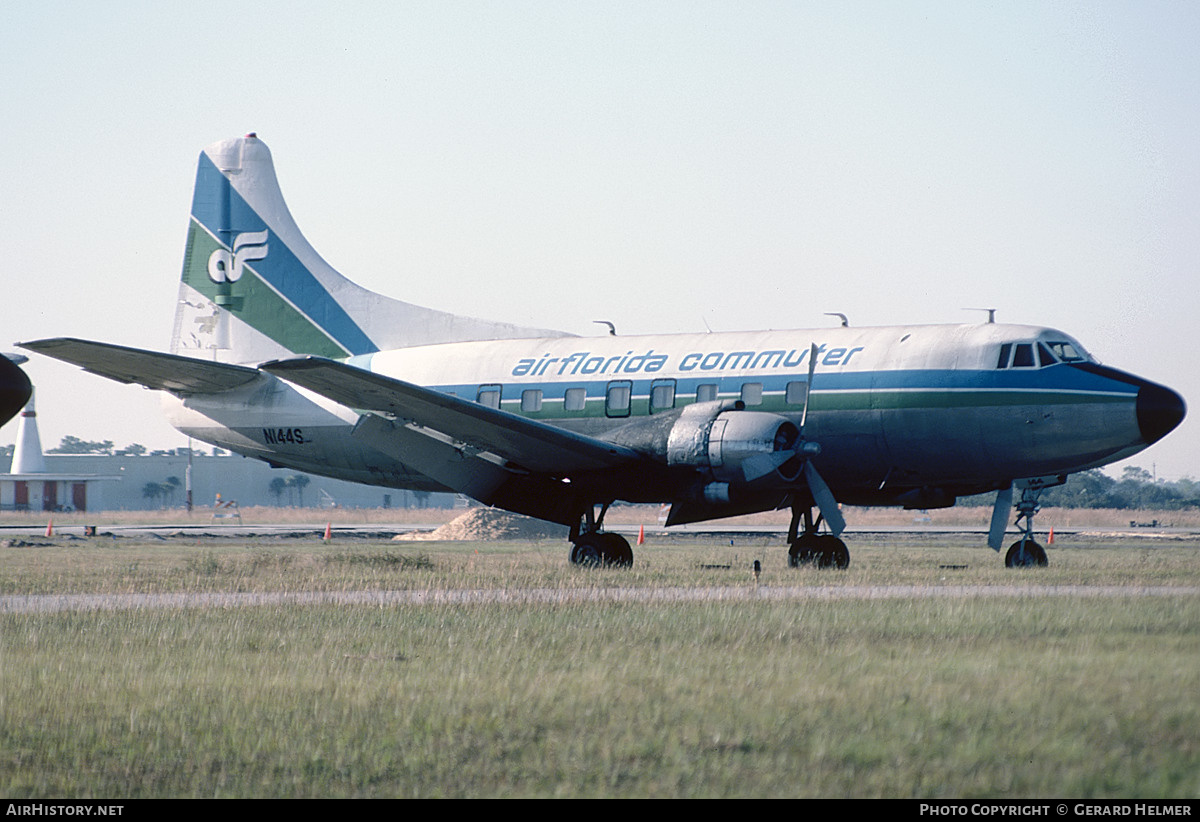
913,415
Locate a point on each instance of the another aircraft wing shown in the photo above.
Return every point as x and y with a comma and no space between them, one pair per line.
528,444
153,369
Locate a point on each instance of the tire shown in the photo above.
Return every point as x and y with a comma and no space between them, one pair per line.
1026,554
586,552
803,551
833,553
615,550
601,548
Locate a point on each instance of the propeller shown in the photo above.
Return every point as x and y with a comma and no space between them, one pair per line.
1004,502
764,464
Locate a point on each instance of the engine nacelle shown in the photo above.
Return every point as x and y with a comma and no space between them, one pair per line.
735,446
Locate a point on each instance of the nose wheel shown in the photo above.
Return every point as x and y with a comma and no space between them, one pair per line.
1026,552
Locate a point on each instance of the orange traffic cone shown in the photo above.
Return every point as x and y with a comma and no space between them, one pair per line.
50,527
328,531
641,534
1050,541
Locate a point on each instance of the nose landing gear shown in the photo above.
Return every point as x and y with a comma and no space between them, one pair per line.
1026,552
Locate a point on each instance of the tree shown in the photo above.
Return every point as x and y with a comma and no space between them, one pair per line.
135,449
170,487
278,486
299,482
152,490
74,445
1087,489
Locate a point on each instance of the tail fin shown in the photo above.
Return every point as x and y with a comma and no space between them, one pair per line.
253,289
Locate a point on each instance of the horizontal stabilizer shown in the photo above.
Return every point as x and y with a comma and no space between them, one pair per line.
532,445
153,369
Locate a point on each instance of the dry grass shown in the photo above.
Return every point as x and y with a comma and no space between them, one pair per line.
647,515
1016,697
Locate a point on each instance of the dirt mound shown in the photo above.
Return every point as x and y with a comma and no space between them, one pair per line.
490,524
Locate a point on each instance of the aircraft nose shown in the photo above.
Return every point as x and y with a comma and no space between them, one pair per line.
1159,410
14,389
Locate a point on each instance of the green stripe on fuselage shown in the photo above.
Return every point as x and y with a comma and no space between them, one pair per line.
886,399
253,301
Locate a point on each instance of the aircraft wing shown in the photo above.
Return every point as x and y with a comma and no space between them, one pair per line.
528,444
153,369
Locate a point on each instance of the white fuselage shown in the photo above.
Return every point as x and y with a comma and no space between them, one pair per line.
909,406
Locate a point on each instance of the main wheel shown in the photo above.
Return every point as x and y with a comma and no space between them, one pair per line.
1026,553
803,550
586,551
601,548
832,553
615,550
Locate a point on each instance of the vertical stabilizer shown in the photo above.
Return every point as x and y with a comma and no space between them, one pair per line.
253,289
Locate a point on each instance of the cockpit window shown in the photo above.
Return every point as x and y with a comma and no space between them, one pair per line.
1023,356
1066,352
1005,355
1038,354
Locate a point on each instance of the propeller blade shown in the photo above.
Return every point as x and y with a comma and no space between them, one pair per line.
824,499
762,464
812,367
1000,514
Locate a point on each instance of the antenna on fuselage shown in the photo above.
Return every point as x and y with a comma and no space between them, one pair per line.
845,322
991,312
612,329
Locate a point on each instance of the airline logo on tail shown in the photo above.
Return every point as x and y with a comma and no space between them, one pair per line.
226,266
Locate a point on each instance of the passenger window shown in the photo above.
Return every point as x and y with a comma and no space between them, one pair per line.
797,393
752,393
488,395
575,399
531,399
706,392
1023,356
616,399
662,395
1005,354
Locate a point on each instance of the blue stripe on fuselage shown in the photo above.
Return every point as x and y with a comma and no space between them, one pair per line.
1048,380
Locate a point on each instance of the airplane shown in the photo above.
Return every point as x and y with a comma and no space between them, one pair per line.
277,356
15,388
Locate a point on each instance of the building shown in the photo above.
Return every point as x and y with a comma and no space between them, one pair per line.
36,481
30,485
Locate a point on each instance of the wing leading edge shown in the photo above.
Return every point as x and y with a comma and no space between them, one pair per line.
165,372
494,456
527,444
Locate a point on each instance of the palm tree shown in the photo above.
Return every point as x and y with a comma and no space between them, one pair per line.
277,488
170,488
299,482
152,490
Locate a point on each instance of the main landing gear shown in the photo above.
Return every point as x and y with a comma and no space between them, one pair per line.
1025,552
592,547
811,548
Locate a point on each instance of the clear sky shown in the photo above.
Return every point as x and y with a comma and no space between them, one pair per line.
669,166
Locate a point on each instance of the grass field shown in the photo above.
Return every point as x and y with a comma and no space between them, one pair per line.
1018,696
